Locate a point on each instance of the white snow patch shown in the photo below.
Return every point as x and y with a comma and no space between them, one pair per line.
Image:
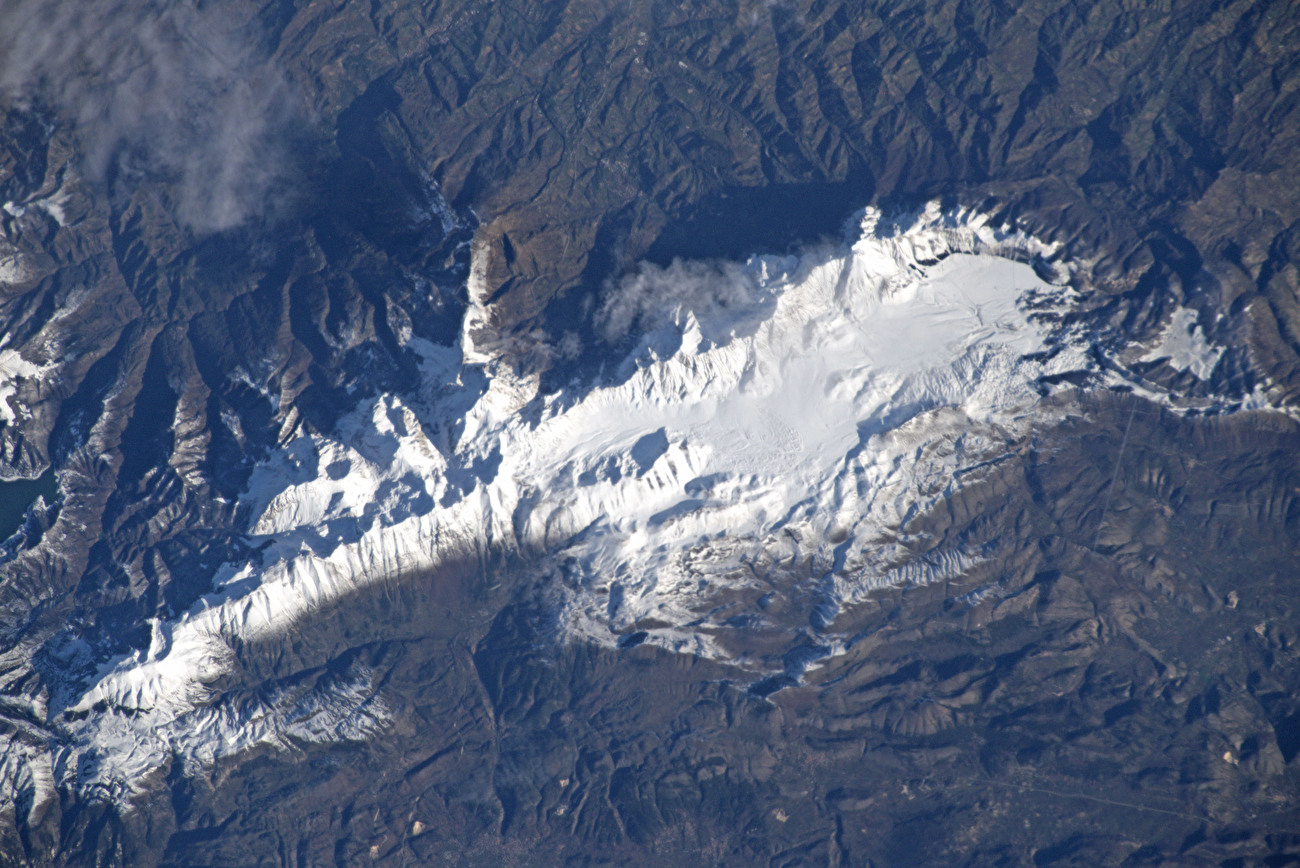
13,369
1185,347
12,270
126,750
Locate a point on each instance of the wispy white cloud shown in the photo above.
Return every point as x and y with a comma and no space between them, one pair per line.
651,296
175,92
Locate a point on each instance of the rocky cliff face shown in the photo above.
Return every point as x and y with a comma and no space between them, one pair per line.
240,222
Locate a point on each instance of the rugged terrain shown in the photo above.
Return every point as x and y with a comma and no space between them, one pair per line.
1114,682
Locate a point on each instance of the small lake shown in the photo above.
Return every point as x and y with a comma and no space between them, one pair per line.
17,496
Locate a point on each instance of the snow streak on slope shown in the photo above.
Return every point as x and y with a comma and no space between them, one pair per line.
791,430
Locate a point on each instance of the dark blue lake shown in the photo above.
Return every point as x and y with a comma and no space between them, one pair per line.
17,496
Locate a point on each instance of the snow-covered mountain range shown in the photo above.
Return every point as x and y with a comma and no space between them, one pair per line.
777,433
